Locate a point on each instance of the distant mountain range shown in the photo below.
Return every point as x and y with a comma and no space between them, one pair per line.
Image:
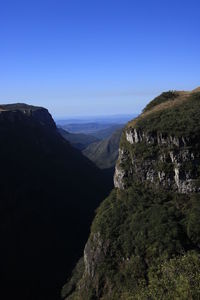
78,140
100,146
99,130
112,119
99,140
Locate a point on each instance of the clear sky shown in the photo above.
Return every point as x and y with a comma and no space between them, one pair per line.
95,57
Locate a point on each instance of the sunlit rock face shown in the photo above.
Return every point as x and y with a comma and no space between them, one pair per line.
173,162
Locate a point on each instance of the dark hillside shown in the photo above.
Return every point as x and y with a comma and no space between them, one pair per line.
48,193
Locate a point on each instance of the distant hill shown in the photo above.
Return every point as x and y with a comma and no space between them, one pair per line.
105,153
98,130
78,140
110,119
86,128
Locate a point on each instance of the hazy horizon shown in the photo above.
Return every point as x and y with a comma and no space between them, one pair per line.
93,116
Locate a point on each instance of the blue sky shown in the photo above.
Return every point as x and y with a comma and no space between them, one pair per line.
97,57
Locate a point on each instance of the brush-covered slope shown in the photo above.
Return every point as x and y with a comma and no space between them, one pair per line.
104,153
145,238
48,192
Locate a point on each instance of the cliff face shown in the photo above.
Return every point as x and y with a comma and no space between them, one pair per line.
48,191
143,228
171,162
156,152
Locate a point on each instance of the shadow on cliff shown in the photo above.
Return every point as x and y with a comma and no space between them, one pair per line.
48,194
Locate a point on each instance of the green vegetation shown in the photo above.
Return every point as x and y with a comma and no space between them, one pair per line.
149,234
75,277
153,247
166,96
177,278
180,120
142,222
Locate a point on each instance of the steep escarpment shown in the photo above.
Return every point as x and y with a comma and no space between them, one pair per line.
48,192
159,159
163,146
145,238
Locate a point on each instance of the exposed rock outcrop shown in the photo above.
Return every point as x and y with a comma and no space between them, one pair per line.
94,255
173,163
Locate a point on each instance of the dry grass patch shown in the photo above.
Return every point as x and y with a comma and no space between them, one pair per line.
182,97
